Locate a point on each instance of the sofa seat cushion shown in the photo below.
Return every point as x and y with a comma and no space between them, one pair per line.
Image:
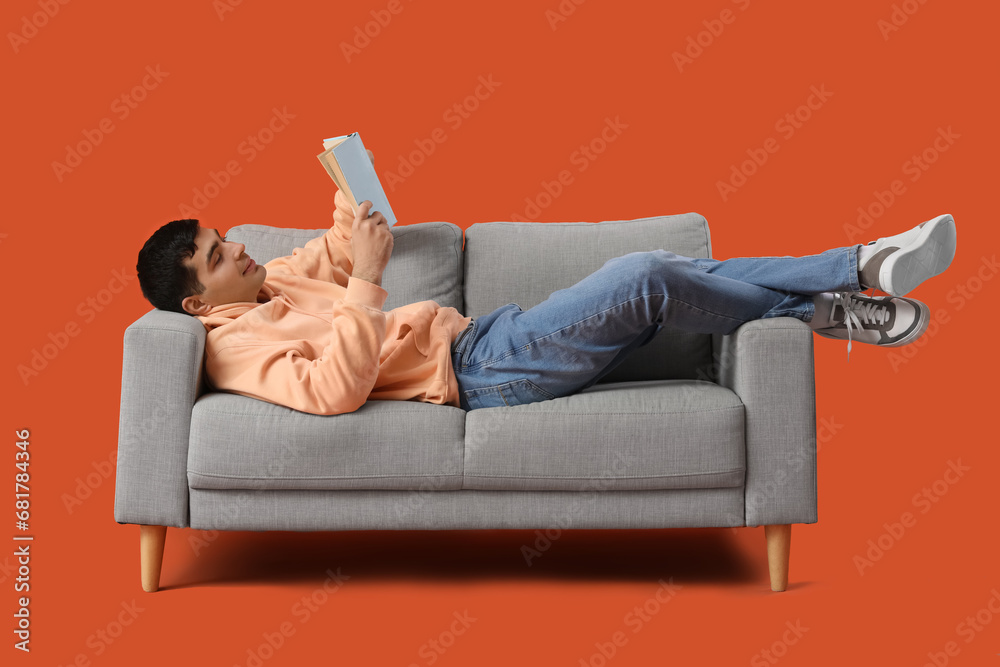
239,442
664,434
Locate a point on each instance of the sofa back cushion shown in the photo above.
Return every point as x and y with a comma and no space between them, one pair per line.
426,263
522,263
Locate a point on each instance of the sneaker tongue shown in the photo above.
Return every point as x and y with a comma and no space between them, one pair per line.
837,314
872,315
823,312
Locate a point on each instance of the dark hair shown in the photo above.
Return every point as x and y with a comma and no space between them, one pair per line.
164,279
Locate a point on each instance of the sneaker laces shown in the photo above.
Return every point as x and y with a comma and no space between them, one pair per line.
857,313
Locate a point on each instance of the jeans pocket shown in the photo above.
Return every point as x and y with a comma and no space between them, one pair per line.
463,352
508,394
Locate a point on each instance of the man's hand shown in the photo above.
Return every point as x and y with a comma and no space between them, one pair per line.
371,243
343,214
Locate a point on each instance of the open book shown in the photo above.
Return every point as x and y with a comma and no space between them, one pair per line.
348,164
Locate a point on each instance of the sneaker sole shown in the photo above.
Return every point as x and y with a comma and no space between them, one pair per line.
929,255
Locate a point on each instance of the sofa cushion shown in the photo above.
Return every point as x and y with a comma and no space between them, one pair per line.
523,263
244,443
667,434
426,263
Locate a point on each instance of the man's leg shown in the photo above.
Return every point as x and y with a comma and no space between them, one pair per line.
834,270
578,334
561,345
894,264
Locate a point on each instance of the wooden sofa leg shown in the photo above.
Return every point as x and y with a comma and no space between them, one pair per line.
151,541
779,540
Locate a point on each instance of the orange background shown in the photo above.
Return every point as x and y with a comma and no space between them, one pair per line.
889,425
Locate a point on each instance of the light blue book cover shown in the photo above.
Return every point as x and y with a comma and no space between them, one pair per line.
348,164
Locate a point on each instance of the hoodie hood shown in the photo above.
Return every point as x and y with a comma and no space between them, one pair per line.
226,313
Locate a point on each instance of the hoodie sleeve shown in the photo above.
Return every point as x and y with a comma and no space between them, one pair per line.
329,257
281,371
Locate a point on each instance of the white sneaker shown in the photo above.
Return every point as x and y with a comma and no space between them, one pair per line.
877,320
897,264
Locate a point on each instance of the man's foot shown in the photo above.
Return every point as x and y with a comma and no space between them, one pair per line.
877,320
897,264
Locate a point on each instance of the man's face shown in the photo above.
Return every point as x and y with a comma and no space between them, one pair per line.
228,274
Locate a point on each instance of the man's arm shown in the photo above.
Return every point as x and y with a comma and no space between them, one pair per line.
257,359
329,257
291,373
372,244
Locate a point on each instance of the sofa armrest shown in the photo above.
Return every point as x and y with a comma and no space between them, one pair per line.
161,379
769,364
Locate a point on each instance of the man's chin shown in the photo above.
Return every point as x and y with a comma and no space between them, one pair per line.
260,277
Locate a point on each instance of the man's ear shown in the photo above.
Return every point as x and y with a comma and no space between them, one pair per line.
194,305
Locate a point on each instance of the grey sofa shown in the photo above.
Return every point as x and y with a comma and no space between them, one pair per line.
691,430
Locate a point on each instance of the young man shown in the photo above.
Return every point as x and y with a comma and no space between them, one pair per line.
307,331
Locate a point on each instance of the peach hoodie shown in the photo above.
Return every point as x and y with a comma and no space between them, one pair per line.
318,341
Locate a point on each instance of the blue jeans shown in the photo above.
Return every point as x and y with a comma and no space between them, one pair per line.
579,334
